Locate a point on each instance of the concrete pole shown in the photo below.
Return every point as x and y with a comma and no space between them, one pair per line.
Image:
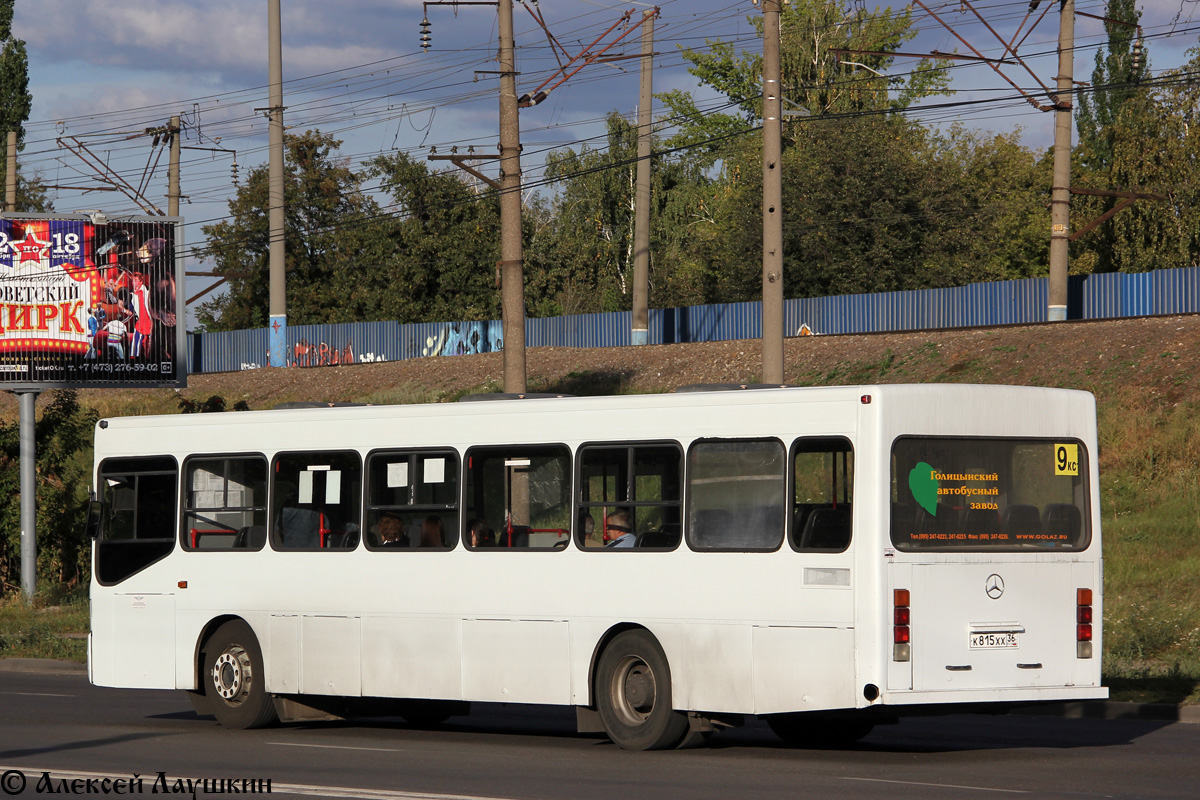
512,273
173,169
1060,196
641,208
10,182
772,301
277,335
28,482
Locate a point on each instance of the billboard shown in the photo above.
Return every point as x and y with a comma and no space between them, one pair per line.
90,302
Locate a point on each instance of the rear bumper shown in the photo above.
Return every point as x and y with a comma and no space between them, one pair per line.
1048,694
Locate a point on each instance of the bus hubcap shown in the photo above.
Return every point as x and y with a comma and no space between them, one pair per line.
231,674
636,690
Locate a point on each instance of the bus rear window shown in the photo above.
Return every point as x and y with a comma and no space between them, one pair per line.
989,494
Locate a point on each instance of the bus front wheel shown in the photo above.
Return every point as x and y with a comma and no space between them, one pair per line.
234,678
633,694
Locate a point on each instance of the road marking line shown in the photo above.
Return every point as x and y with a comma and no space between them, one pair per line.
338,747
38,694
276,788
937,785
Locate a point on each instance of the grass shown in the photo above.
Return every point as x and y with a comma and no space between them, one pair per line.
43,631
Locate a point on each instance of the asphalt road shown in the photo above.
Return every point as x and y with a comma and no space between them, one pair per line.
62,725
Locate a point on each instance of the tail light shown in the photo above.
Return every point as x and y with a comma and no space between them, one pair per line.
901,620
1083,623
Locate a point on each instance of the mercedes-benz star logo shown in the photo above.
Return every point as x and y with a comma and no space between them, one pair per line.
994,586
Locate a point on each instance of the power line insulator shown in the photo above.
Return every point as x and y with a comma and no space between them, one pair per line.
425,38
1137,54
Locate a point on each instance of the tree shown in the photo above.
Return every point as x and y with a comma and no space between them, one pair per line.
64,456
332,240
15,105
442,244
1109,111
814,76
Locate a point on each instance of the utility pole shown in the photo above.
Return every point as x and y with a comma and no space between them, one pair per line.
641,221
173,128
277,335
10,177
512,273
772,300
1060,194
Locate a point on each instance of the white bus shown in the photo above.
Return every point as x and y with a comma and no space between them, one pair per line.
825,558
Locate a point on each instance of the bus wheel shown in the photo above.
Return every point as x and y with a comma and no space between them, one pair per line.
633,694
818,732
234,678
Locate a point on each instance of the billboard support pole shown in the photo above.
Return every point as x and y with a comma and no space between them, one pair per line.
28,453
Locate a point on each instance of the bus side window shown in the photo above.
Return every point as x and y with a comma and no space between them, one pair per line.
822,493
225,506
639,484
522,493
138,515
315,500
736,494
412,500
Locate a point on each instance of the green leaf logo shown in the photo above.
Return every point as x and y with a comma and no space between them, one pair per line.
924,487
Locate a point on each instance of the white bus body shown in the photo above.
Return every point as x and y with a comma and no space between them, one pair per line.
956,560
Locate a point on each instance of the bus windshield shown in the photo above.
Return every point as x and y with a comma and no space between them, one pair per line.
989,494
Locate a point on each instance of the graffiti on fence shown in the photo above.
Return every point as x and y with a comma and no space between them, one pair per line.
464,338
321,354
806,331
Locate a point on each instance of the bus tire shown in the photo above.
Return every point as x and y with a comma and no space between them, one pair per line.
633,694
817,732
234,678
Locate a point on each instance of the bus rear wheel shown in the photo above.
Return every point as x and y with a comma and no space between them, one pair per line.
234,678
633,694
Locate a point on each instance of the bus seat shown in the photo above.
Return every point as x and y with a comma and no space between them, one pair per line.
1062,520
252,537
944,521
300,528
666,536
520,537
1021,519
827,529
981,520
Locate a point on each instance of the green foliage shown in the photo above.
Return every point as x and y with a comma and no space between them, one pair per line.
15,105
44,631
438,250
214,403
64,462
814,77
331,232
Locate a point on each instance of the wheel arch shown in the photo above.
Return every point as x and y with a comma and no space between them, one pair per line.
205,634
598,650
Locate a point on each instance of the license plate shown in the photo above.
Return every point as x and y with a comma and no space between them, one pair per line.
1001,640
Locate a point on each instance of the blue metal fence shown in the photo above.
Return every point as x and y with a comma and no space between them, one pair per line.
1168,291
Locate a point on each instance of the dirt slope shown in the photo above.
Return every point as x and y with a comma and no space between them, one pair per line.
1155,357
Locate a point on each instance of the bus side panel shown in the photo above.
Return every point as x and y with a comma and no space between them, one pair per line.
414,657
802,669
102,648
702,659
330,656
516,661
283,654
144,625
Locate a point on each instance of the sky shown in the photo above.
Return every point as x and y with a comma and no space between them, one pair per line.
102,72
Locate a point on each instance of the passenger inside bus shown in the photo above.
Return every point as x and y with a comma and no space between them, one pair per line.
391,531
618,529
479,534
433,533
